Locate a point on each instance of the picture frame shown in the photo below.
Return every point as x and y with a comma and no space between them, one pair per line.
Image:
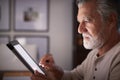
4,39
31,15
4,15
41,42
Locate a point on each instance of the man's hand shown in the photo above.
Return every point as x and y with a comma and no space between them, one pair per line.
38,76
53,72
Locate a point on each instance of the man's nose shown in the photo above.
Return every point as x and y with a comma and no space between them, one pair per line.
81,28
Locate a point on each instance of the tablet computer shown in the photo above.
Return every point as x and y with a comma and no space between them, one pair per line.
24,57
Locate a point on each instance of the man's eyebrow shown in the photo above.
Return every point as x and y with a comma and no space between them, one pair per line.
85,17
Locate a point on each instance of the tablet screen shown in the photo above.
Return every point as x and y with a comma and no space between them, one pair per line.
27,58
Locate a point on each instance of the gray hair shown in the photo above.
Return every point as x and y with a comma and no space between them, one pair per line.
104,7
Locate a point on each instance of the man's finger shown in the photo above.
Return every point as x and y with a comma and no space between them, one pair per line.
47,59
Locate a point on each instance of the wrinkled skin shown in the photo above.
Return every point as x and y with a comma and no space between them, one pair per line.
53,72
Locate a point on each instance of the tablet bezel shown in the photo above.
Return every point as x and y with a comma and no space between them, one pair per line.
11,45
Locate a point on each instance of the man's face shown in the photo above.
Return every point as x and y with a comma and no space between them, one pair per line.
91,26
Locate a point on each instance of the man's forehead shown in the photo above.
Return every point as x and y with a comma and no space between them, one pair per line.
83,12
88,4
87,9
86,14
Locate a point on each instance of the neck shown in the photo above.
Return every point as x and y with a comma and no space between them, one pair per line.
109,43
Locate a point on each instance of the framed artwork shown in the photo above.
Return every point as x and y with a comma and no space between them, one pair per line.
4,39
41,43
31,15
4,15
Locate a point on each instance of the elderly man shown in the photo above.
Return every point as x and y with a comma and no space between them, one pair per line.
98,24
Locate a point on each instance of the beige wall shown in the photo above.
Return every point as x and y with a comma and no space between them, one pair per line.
61,32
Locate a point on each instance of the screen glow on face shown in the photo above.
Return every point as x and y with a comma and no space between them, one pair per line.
27,58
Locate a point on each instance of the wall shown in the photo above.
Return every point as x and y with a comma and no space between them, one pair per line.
60,31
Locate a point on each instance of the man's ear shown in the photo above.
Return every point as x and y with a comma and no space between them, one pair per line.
112,20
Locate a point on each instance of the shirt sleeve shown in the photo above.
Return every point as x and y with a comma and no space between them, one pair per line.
76,74
73,75
115,70
80,71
